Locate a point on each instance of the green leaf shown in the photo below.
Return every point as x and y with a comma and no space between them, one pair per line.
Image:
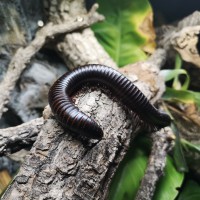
179,157
120,33
170,74
168,184
178,62
191,191
127,179
173,74
188,146
178,154
192,154
185,96
176,83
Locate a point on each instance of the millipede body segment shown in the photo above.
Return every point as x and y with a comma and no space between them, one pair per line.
78,122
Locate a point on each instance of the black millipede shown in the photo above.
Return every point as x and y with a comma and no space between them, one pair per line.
76,121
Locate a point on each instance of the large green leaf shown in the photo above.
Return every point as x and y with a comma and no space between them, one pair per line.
120,34
191,191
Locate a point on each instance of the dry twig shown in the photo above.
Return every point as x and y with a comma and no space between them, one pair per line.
23,55
156,165
15,138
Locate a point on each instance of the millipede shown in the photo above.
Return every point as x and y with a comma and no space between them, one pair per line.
122,88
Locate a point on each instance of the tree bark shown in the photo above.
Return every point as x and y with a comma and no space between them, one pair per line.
15,138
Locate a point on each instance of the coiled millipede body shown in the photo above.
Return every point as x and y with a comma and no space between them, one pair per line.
72,118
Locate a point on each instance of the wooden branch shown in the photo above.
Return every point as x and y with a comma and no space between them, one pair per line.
15,138
185,42
23,55
81,47
85,44
75,169
182,37
157,161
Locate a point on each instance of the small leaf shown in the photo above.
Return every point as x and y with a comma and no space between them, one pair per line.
176,83
185,96
192,154
120,33
178,62
174,75
188,146
178,154
170,74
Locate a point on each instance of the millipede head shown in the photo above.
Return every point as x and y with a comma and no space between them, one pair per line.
93,131
164,120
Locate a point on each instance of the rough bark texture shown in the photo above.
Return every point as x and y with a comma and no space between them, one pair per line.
14,138
179,35
157,161
75,169
77,48
76,44
186,43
